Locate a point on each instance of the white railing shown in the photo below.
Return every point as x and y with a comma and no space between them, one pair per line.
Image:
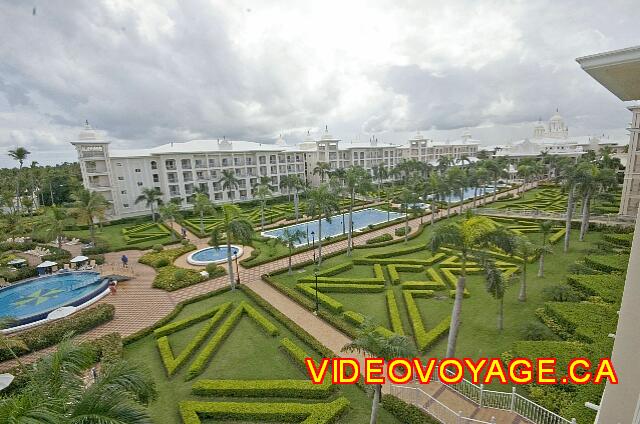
433,406
512,401
535,213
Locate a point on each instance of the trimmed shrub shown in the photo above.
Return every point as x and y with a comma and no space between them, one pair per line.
607,287
622,240
452,281
158,248
394,313
326,301
536,331
400,231
172,278
394,270
608,263
335,270
555,237
560,293
161,263
295,352
169,254
587,322
380,239
215,270
423,339
405,412
171,328
423,285
349,288
262,388
52,333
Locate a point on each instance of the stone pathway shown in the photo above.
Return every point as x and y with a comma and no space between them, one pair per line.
139,305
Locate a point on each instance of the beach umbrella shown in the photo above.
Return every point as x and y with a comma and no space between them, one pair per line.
17,261
47,264
5,380
79,259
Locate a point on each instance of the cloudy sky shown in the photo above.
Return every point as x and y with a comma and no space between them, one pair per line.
148,72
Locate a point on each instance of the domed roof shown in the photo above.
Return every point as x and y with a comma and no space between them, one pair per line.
417,136
308,137
87,133
326,135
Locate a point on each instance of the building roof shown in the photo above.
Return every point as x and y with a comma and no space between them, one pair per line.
617,70
204,146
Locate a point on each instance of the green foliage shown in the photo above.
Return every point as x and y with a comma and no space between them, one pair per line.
215,270
326,301
423,339
535,331
161,263
608,263
262,388
557,236
607,287
310,413
622,240
142,233
560,293
394,270
588,322
394,313
170,255
172,278
400,231
53,333
335,269
406,412
379,239
422,285
157,247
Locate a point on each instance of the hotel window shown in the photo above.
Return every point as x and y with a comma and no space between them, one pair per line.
120,178
170,164
123,192
137,169
119,164
126,205
140,183
156,178
185,163
154,164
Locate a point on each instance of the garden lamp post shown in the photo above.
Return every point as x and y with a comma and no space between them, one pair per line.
315,274
307,235
313,245
237,270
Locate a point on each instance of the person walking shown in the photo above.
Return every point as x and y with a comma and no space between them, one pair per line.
125,261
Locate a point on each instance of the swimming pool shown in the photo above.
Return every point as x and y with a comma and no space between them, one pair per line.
361,219
468,194
33,299
213,255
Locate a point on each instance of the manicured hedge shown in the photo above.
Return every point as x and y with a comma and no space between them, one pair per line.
588,322
405,412
394,270
400,231
555,237
326,301
452,281
170,255
335,270
423,339
262,388
171,328
608,263
52,333
380,239
377,270
422,285
142,233
609,287
172,278
309,413
295,352
394,313
349,288
623,240
358,319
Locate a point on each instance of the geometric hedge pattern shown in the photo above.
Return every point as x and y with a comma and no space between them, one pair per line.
145,232
219,323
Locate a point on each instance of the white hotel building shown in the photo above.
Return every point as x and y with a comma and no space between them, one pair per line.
177,169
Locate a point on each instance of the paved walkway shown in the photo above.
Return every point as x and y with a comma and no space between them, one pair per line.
139,305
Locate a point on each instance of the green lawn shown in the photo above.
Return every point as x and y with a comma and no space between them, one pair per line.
248,353
113,237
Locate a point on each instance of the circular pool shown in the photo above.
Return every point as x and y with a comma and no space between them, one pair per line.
213,255
33,299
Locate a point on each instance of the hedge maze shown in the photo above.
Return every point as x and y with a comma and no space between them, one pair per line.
145,232
270,400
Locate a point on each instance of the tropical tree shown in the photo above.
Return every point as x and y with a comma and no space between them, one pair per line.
357,180
236,227
152,198
202,206
496,285
229,183
468,238
263,194
20,154
444,162
297,184
431,192
369,342
88,207
55,222
495,168
457,179
291,238
545,228
337,188
286,184
570,177
55,391
407,197
380,174
170,212
444,193
591,180
322,169
527,250
321,203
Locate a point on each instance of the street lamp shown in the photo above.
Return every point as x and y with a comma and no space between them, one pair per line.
307,235
313,245
315,274
237,270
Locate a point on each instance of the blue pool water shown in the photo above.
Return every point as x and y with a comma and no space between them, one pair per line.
33,299
361,219
468,194
212,254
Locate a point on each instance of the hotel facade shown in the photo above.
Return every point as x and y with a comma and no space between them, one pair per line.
178,169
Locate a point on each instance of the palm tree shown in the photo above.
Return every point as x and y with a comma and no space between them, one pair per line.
482,179
496,286
322,168
525,171
444,162
152,197
545,228
88,207
55,222
495,168
285,184
170,212
570,176
369,342
55,391
321,203
457,179
431,188
525,250
236,227
202,206
468,237
297,184
20,154
229,183
380,174
338,190
291,238
262,193
444,193
592,179
357,180
408,197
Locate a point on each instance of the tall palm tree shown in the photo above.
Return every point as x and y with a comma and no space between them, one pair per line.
20,154
380,174
88,207
431,189
290,238
297,185
357,180
571,176
236,227
468,238
592,180
444,162
321,203
152,198
482,179
55,391
457,178
525,171
545,228
337,188
525,250
170,212
495,168
285,184
56,221
229,183
408,197
496,285
262,193
202,206
444,193
322,169
369,342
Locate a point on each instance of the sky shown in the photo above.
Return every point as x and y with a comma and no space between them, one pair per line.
146,73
